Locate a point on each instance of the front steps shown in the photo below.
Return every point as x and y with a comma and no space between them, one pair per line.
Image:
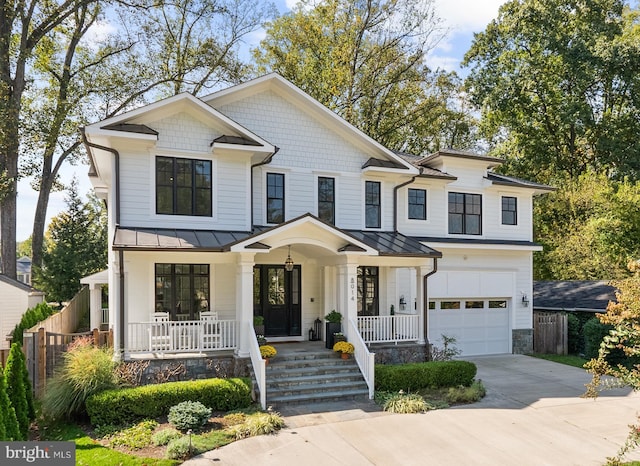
313,377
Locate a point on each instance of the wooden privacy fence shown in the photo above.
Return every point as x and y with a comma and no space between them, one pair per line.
4,355
550,333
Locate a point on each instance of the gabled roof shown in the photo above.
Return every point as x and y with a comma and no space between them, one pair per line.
461,154
573,295
15,283
131,128
504,180
277,83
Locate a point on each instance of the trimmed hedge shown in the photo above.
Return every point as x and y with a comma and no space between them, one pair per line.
124,405
432,374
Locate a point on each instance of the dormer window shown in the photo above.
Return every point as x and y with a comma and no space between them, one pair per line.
183,186
465,214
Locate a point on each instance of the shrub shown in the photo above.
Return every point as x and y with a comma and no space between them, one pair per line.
30,318
151,401
9,427
594,331
14,374
258,424
406,403
432,374
189,415
86,370
573,333
470,394
135,437
164,436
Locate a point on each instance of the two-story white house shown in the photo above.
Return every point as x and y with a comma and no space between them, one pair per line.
258,200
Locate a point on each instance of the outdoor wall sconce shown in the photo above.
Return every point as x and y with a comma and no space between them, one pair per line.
403,303
525,300
288,264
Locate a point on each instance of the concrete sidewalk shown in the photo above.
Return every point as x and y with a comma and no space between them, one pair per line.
532,415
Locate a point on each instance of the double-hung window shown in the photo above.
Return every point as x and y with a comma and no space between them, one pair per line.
182,290
509,210
417,204
372,209
465,214
327,199
275,197
183,186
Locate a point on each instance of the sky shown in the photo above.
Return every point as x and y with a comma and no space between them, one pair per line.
461,17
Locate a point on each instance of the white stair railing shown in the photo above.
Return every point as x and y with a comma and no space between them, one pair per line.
259,365
364,358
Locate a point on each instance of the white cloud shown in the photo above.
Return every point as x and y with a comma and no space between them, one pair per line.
98,34
443,62
468,15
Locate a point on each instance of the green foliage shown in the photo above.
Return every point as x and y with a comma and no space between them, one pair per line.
9,427
366,62
16,391
333,317
594,331
258,424
568,359
415,376
85,371
189,415
135,437
555,82
31,317
403,403
76,246
573,333
164,436
184,447
151,401
471,394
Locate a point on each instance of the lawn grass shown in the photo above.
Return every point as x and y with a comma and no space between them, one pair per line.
90,453
569,359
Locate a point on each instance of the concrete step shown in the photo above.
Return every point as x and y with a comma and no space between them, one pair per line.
313,379
276,402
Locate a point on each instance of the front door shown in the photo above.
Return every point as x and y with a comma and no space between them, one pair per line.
277,299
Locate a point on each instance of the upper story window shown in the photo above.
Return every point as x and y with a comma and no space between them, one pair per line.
183,186
417,204
275,197
327,199
372,210
509,210
465,214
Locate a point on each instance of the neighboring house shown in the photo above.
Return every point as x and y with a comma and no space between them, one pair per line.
572,295
23,270
16,299
259,200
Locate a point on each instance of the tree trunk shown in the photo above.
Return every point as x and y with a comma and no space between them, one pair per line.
40,217
8,220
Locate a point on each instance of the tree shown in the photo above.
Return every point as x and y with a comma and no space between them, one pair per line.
365,60
624,316
76,247
558,87
589,229
16,391
9,428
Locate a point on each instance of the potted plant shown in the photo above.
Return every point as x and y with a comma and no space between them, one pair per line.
267,351
333,325
258,325
261,340
344,348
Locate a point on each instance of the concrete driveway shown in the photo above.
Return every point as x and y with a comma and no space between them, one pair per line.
532,415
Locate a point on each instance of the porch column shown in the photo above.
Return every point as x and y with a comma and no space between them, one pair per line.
348,294
244,302
95,305
421,301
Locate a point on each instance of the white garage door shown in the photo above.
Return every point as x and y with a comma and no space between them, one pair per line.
480,326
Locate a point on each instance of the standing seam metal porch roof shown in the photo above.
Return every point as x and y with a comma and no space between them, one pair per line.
173,239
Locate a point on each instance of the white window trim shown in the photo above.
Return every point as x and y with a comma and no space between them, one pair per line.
287,210
483,205
501,225
336,190
416,221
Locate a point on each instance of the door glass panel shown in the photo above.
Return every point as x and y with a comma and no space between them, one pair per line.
295,287
276,286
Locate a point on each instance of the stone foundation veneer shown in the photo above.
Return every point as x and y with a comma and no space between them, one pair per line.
400,353
522,339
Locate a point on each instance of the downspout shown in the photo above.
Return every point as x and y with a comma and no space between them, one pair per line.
116,155
264,162
395,200
425,303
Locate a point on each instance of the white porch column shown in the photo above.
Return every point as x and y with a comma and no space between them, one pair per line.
95,305
421,300
348,294
244,301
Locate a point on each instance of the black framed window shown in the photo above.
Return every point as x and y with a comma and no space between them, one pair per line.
465,214
275,197
417,204
509,210
327,199
182,290
183,186
372,210
368,291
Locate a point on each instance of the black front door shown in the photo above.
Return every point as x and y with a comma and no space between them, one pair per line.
277,299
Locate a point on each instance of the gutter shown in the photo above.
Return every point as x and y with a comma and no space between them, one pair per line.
267,160
426,302
395,200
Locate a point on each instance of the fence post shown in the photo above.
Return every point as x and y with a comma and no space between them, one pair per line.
42,359
96,337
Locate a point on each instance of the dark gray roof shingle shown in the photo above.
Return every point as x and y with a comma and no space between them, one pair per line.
572,294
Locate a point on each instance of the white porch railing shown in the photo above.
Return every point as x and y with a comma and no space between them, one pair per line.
259,365
389,329
186,336
364,358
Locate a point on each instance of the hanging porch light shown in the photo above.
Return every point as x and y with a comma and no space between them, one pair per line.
288,264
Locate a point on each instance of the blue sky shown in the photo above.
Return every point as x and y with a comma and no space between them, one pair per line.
461,17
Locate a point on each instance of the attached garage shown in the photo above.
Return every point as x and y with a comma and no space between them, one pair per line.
480,326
